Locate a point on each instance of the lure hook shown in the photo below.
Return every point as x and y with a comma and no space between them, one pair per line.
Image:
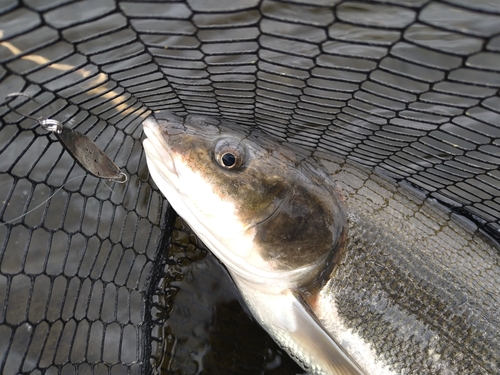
81,148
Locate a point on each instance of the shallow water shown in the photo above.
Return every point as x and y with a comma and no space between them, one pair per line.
206,330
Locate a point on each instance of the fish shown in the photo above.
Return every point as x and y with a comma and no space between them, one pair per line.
349,271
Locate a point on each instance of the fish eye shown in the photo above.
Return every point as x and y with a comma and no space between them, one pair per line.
228,159
229,153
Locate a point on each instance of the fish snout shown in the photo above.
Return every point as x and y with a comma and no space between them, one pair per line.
155,146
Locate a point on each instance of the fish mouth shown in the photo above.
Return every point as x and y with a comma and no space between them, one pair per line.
156,148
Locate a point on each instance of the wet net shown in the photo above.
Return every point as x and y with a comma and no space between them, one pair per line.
90,280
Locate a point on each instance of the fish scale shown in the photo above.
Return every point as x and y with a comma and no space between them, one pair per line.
434,301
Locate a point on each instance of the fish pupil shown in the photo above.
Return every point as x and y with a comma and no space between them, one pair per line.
228,159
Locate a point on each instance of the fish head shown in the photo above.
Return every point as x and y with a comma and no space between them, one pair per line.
261,209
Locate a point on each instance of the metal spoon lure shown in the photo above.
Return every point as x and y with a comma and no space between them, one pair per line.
80,147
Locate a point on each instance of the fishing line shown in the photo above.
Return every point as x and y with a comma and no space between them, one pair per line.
83,150
41,204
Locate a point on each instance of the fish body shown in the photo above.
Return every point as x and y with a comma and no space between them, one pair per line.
346,270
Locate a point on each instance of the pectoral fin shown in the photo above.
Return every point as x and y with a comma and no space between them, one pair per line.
294,327
324,350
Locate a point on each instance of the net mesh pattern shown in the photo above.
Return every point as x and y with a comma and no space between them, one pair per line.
409,87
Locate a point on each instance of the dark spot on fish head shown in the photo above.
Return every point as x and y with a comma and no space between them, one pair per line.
302,231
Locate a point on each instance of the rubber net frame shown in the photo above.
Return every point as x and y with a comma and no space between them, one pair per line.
406,87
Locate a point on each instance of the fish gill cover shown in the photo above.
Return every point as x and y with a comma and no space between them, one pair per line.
407,87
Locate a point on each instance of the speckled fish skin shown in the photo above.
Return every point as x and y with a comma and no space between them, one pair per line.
422,288
379,282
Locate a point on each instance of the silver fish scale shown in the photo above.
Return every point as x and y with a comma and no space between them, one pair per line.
379,313
421,314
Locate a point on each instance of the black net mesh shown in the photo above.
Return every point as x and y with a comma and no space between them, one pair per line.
409,87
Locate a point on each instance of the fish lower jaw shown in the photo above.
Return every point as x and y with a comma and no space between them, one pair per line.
157,154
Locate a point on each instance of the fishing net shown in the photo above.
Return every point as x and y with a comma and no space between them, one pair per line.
90,280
